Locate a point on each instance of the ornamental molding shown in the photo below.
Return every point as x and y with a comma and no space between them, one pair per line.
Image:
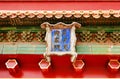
59,14
60,25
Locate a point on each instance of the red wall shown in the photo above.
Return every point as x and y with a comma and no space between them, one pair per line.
95,66
59,5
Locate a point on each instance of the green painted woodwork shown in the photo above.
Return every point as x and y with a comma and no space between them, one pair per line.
115,49
21,29
84,49
1,49
92,49
31,49
22,49
9,49
98,49
99,28
40,49
37,28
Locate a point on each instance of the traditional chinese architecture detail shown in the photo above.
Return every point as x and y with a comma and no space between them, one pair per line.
85,36
35,18
61,39
2,37
40,36
115,37
101,36
24,36
27,36
59,14
12,36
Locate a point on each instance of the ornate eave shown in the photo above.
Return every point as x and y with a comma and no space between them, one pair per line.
60,14
37,17
30,20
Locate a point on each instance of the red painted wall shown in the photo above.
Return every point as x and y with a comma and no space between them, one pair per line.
95,66
59,5
59,0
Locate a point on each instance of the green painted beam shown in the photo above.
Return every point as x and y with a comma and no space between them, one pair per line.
96,28
22,49
1,49
98,49
9,49
21,29
83,28
40,49
115,49
83,49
